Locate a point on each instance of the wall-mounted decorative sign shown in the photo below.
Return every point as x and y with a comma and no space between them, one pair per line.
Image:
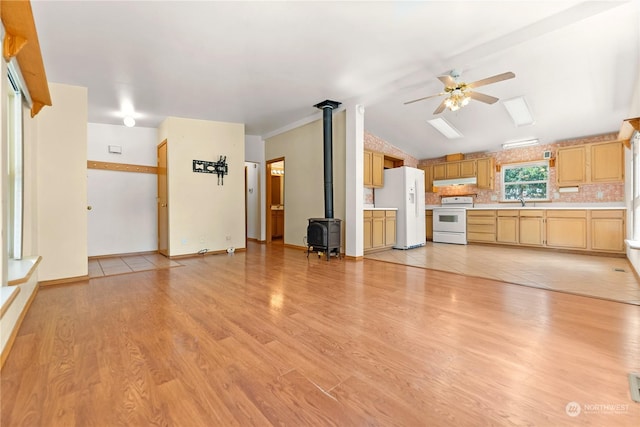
203,166
219,168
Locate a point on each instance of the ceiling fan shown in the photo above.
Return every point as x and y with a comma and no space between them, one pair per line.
460,92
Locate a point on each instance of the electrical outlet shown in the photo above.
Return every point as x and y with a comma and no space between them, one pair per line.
228,238
599,195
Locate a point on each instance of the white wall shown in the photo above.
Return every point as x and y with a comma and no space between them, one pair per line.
254,153
62,184
203,214
302,149
123,218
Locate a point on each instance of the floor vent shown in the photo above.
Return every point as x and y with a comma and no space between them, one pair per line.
634,387
619,270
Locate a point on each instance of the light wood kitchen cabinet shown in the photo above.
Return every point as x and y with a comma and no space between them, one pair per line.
485,169
390,228
439,171
481,226
590,163
373,169
467,169
367,226
507,226
567,229
452,170
379,229
428,219
377,233
571,165
428,178
531,228
607,162
607,230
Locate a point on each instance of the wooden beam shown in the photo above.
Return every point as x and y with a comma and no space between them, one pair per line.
626,130
121,167
21,42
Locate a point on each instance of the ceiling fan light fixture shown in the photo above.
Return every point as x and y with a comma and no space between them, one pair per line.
519,111
520,144
445,128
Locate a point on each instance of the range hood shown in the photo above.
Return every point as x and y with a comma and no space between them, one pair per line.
455,181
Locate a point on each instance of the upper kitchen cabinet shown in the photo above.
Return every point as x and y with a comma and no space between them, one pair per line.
428,178
590,163
373,169
439,171
607,162
571,165
485,173
467,169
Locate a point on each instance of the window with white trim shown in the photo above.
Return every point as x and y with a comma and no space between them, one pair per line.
14,167
635,184
526,181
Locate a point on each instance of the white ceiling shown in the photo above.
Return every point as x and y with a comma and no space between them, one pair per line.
266,64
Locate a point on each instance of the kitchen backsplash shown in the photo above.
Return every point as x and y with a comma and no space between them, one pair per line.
588,193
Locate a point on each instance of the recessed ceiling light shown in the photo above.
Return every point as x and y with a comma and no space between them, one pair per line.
129,122
445,128
519,111
518,144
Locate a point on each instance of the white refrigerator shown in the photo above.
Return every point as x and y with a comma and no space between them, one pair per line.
404,189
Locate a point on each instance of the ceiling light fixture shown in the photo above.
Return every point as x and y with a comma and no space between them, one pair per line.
519,144
519,111
445,128
129,121
457,99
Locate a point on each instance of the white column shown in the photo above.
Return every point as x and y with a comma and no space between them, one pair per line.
354,237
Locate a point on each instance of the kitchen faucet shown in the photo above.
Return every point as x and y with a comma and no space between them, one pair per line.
521,199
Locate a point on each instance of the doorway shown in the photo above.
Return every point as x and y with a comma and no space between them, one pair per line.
163,211
275,200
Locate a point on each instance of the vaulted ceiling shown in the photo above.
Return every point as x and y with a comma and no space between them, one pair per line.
266,64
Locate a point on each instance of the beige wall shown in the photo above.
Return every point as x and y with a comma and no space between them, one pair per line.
61,133
203,214
304,174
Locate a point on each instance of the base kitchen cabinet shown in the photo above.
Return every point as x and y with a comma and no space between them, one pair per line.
389,228
567,229
379,229
481,226
607,230
367,226
507,226
428,218
531,231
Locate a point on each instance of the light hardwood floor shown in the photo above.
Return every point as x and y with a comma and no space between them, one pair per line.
269,337
595,276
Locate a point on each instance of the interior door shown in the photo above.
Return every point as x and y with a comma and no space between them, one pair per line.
163,206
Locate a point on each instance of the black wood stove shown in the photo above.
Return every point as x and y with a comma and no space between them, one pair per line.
323,234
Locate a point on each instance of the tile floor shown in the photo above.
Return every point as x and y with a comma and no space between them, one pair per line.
128,264
595,276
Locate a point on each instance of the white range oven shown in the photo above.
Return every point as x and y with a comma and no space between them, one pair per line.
450,220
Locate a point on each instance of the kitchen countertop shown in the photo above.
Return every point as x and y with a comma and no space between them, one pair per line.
379,209
564,206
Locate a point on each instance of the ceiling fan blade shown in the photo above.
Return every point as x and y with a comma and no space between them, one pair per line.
481,97
497,78
441,107
422,99
448,81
